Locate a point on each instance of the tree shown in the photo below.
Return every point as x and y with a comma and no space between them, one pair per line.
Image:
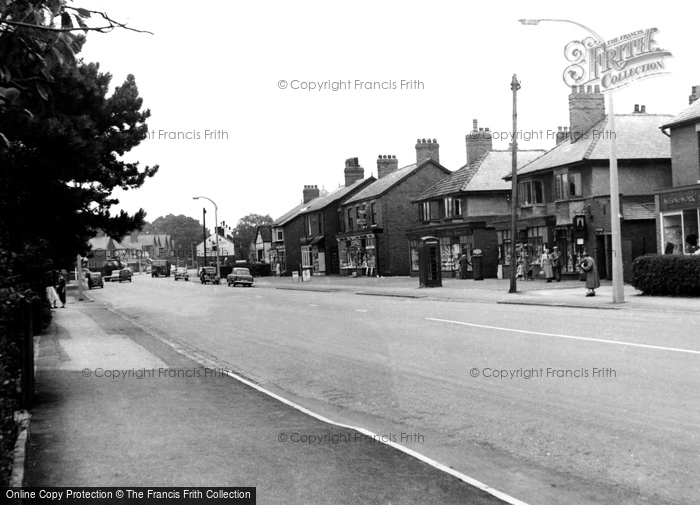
36,38
246,229
62,165
183,229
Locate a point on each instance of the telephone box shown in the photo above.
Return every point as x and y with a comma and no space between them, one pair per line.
429,262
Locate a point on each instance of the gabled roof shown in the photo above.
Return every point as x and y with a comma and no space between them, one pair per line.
484,174
336,195
104,243
689,115
384,184
265,232
638,137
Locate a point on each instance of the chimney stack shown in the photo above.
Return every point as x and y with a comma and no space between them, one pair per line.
310,192
426,149
586,109
386,164
479,142
563,134
694,95
353,171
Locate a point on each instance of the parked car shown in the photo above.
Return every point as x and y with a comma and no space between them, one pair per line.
94,280
240,276
182,273
208,275
125,275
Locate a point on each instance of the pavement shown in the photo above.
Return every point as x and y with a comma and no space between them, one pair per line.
117,405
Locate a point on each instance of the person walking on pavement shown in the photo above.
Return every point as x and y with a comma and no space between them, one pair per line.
61,290
526,265
278,270
546,262
51,294
463,264
556,263
589,267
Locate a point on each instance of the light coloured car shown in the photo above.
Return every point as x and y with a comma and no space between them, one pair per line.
240,276
181,273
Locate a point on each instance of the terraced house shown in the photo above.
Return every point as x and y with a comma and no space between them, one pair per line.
461,209
564,195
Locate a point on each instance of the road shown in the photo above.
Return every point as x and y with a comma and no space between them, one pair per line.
548,404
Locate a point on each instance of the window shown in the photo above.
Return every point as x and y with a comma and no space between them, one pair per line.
306,256
429,210
575,185
373,213
560,186
320,223
279,236
453,207
530,193
350,227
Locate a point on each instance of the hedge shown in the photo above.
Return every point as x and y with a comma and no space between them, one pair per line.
667,275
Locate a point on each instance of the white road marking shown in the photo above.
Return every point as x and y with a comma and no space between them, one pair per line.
207,362
360,310
660,348
312,305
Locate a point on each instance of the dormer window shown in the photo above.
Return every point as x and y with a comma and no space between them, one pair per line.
453,207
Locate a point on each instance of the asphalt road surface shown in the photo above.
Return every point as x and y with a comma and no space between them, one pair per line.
550,405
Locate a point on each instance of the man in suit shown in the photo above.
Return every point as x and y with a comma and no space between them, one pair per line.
557,261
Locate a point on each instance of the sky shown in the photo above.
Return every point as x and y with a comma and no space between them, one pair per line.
211,75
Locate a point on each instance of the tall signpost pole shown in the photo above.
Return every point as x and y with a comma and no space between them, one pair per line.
617,273
515,86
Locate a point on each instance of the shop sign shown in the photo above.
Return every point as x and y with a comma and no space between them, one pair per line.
679,200
600,231
615,63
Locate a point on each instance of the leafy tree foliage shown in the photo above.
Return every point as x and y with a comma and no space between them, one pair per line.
183,229
247,227
62,165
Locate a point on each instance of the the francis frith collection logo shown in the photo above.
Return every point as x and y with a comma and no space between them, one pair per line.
614,63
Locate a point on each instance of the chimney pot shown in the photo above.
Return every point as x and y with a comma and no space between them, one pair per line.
427,149
386,164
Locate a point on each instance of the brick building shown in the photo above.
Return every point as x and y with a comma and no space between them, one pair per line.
564,195
304,238
678,207
375,221
462,208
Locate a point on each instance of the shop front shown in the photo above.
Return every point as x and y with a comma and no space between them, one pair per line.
313,257
453,243
678,222
358,255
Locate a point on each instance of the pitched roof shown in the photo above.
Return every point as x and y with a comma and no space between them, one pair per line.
638,137
265,232
689,115
337,194
484,174
290,214
102,243
385,183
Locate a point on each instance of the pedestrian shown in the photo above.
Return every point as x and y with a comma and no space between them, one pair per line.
526,265
61,290
557,261
278,270
546,263
463,265
591,270
51,294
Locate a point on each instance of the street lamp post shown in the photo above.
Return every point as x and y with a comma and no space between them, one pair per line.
216,230
618,286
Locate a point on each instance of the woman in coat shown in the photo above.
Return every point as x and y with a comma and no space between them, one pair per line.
591,270
61,290
547,268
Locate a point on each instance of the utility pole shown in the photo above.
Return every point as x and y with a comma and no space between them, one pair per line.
515,86
204,233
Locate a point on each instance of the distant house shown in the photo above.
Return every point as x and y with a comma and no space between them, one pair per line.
678,207
228,250
461,210
564,195
263,244
374,222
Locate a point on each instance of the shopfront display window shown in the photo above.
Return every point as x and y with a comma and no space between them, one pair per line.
680,232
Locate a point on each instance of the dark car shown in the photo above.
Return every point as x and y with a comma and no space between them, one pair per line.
207,275
125,275
240,276
94,280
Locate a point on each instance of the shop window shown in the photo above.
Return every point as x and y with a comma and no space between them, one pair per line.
673,233
690,231
306,257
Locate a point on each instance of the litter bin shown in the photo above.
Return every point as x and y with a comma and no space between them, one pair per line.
477,261
429,263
